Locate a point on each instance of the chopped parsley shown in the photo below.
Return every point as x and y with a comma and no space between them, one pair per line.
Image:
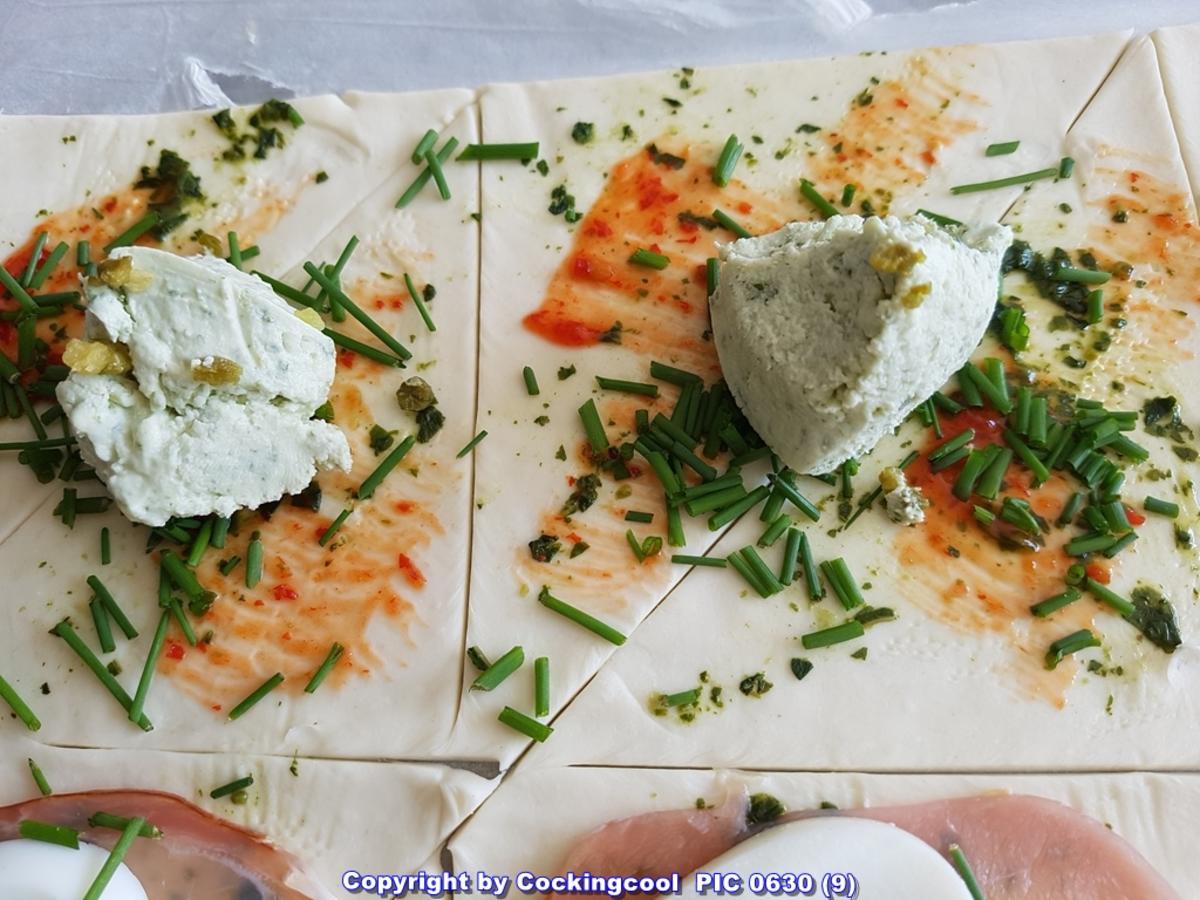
580,548
321,177
705,222
173,188
587,489
565,372
544,548
381,439
263,136
583,132
755,685
1154,617
800,668
429,422
613,335
563,204
309,498
661,158
763,809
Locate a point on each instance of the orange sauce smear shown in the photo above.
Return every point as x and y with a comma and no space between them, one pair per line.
890,144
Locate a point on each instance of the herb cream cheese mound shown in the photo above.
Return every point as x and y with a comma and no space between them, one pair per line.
195,390
830,333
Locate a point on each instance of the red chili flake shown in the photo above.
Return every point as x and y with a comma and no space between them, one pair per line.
404,506
412,574
174,650
597,228
346,358
285,592
1099,573
1134,517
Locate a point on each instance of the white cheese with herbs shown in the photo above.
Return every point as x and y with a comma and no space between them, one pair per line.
830,333
197,393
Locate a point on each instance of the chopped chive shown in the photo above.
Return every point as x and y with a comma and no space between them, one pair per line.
10,696
1113,599
111,607
793,496
1120,544
335,293
812,580
422,179
672,375
1027,456
477,658
1065,167
1114,514
993,476
1161,507
143,688
1010,181
848,192
220,530
749,575
1021,416
593,426
1131,449
419,302
365,350
372,481
66,631
256,695
105,547
83,253
982,515
531,383
1055,603
634,515
1038,421
239,784
650,259
761,570
731,512
813,196
33,830
727,222
837,634
993,369
183,577
248,253
977,461
119,823
333,528
115,857
1002,148
426,143
254,560
716,500
495,152
579,617
39,778
959,440
775,531
434,165
964,872
26,335
791,554
714,562
681,698
49,266
1017,512
1070,509
103,629
838,574
1072,643
497,672
133,232
627,387
662,469
17,291
712,269
1080,276
529,727
35,256
200,544
235,250
226,566
285,290
176,609
938,219
727,161
470,445
331,660
1095,307
541,686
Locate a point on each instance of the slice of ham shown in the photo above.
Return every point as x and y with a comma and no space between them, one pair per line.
1020,847
658,843
199,857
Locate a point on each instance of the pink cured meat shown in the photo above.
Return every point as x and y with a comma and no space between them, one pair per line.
1020,847
199,857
